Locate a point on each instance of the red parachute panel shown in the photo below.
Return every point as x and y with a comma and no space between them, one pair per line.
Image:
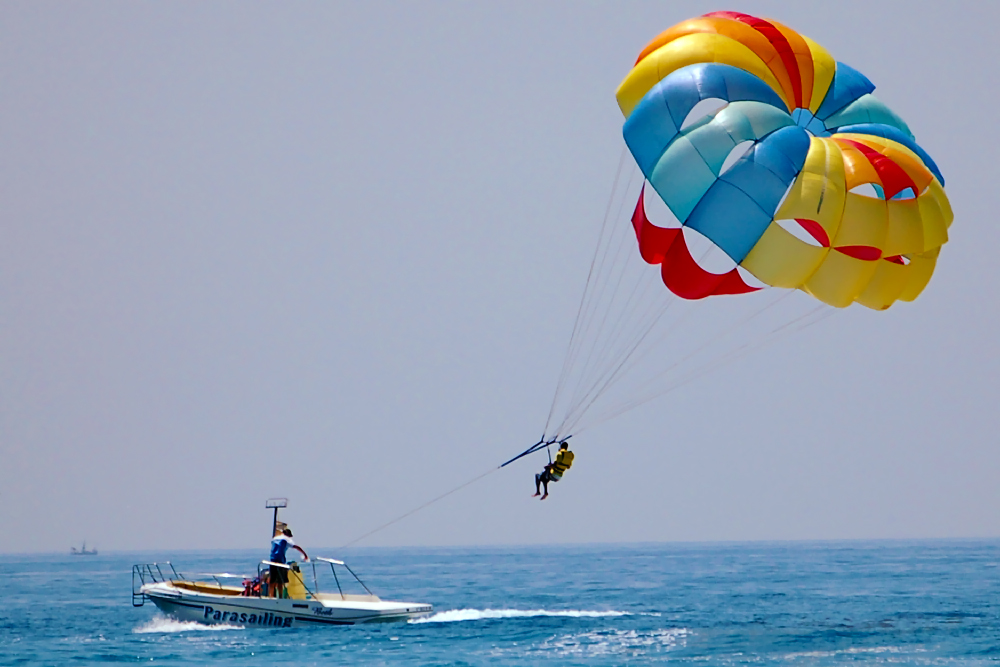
681,273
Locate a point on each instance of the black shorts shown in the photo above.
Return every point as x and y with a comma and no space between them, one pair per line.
277,575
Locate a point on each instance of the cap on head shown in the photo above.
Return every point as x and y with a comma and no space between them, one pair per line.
288,532
563,445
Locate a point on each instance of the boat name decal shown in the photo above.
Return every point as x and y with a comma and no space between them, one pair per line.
323,611
266,618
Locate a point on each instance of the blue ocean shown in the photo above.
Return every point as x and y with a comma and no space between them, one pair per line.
807,603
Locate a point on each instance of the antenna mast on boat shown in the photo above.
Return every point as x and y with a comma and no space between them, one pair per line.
275,503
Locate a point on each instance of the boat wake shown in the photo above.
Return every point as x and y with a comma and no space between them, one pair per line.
164,624
809,655
459,615
613,642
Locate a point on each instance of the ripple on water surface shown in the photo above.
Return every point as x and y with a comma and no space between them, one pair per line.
899,603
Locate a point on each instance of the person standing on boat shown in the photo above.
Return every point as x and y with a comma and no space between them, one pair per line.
278,576
553,472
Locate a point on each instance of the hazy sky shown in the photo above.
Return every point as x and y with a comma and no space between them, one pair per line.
332,251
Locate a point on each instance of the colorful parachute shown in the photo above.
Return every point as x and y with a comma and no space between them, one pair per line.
803,178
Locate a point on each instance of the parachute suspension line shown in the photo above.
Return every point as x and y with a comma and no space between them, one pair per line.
587,298
620,325
724,332
630,325
742,350
583,297
771,337
711,341
621,319
619,365
646,349
598,390
597,352
414,511
613,372
595,299
618,370
763,341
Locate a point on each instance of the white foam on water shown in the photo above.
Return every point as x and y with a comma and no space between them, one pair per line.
615,642
459,615
850,651
165,624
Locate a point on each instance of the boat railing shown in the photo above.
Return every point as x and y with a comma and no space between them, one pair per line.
207,579
150,573
217,576
155,573
313,593
333,562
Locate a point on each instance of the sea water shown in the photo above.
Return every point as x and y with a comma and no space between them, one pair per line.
821,603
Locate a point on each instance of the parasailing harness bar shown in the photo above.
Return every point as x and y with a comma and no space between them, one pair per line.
538,446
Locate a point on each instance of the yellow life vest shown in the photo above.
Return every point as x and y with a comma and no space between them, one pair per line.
563,462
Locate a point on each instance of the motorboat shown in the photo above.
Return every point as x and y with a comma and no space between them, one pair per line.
208,598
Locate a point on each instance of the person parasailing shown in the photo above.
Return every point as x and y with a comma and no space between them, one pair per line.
554,471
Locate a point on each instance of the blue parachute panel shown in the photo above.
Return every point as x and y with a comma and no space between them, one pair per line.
848,85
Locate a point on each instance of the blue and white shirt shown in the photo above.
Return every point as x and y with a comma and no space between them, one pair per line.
279,545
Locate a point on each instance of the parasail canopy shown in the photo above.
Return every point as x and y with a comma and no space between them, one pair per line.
756,139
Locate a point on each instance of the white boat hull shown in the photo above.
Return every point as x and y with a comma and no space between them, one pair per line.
278,613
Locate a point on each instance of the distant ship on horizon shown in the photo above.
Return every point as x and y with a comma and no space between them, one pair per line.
82,551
